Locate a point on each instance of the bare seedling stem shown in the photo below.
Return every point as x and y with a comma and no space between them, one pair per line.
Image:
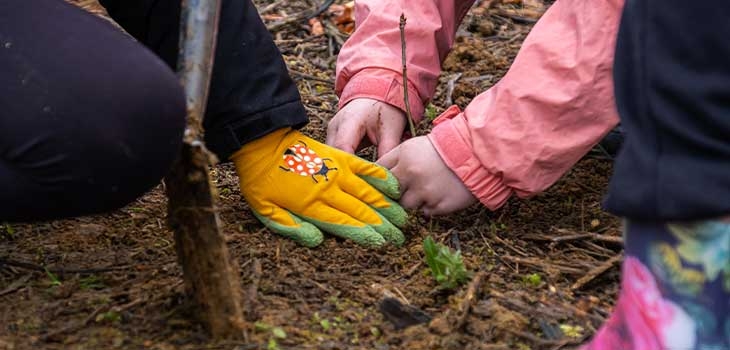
211,279
402,27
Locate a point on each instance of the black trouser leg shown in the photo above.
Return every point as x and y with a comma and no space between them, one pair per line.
89,118
251,92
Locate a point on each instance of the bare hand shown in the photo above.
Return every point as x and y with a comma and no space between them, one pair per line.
426,182
382,123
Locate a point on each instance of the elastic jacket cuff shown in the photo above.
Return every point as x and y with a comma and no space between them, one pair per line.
459,157
226,140
382,85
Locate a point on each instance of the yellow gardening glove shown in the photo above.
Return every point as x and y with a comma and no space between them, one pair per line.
297,186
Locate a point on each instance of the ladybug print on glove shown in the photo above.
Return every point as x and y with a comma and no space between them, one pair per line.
302,160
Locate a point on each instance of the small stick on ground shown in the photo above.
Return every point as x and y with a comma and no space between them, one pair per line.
469,297
300,16
271,6
15,286
54,336
545,266
402,27
310,77
450,88
61,270
595,272
252,295
572,235
558,344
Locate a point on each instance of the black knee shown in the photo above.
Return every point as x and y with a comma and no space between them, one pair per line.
91,119
140,137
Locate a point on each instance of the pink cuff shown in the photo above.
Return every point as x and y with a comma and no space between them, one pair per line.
383,85
458,156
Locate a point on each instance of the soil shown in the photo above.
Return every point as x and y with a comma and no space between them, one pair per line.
112,281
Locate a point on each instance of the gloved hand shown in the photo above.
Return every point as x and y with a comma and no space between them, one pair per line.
297,186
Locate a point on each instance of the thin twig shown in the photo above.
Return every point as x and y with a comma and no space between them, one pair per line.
34,267
300,16
572,235
271,6
517,18
544,342
402,27
413,269
540,263
15,286
252,295
479,78
74,327
595,272
450,88
309,77
469,297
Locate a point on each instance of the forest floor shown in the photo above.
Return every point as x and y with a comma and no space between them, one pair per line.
545,269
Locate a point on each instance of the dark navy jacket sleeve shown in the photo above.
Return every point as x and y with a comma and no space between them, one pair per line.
672,81
251,92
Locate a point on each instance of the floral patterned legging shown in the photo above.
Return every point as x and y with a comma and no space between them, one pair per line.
675,289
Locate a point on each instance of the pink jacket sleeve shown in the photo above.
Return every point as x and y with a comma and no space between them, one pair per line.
369,64
521,135
552,106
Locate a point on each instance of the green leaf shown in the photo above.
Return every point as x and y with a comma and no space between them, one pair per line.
261,326
447,267
571,331
430,112
533,279
7,230
54,279
91,282
109,316
278,332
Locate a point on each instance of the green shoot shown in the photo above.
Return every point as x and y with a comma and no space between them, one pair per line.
278,332
272,345
274,334
533,279
572,331
91,282
109,316
7,230
447,267
54,279
430,112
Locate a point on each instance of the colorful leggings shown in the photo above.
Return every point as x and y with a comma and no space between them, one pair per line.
675,289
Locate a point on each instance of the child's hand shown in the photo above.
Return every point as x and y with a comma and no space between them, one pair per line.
426,182
382,123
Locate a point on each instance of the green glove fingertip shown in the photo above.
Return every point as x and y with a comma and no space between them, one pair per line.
363,235
388,186
306,234
391,233
394,213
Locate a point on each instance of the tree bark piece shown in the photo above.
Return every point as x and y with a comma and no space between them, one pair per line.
210,278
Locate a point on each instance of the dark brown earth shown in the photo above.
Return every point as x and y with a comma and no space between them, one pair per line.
112,281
